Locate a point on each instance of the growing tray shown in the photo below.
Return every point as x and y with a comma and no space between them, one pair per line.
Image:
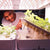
37,27
43,44
33,44
7,44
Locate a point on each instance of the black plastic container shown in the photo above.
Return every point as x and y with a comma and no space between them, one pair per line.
33,44
43,44
7,44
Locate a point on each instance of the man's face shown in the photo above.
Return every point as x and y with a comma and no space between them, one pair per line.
9,16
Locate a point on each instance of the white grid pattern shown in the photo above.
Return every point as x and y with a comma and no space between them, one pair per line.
6,4
33,4
23,4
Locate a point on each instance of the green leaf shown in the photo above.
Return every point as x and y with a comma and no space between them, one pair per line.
40,22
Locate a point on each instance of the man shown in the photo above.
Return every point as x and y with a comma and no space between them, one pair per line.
11,17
